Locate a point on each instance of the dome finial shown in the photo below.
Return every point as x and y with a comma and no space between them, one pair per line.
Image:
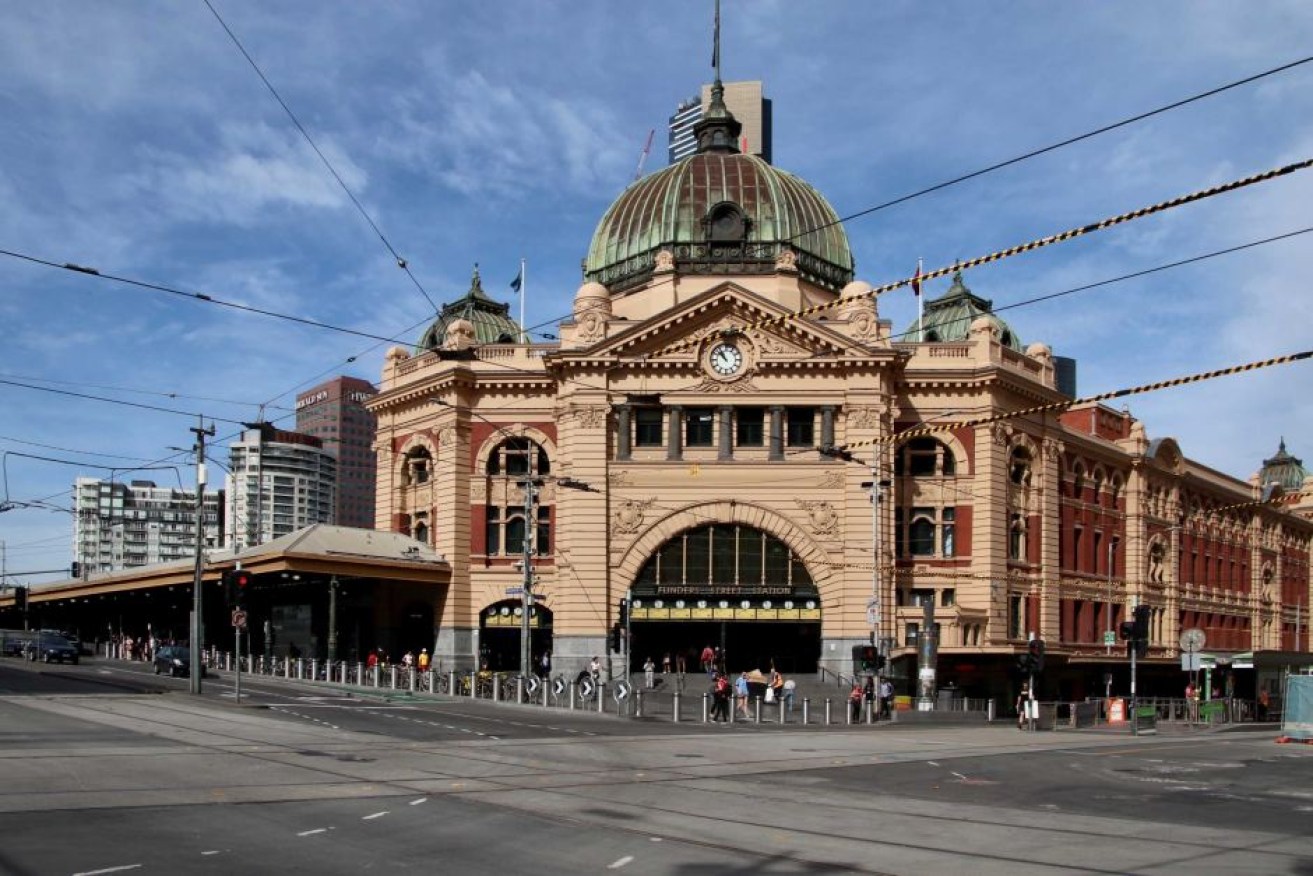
717,130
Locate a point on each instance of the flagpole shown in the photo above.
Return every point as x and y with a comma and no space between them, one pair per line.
920,305
524,336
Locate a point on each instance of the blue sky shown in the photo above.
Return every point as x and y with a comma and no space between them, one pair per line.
138,141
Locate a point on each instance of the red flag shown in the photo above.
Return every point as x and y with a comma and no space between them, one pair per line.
916,281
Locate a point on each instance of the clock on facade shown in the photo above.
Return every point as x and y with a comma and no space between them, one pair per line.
726,359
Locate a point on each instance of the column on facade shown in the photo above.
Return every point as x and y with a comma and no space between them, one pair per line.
1050,534
726,432
675,433
623,433
776,433
827,425
456,641
989,526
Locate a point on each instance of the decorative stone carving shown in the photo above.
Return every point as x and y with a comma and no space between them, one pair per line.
787,261
592,417
832,480
446,437
665,261
821,516
629,516
865,325
459,336
1001,433
620,478
1053,450
478,491
591,327
863,418
770,344
743,384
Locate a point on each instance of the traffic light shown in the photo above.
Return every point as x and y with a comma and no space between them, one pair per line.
236,584
1035,651
1142,622
615,638
1141,648
75,570
1127,630
623,613
20,598
870,658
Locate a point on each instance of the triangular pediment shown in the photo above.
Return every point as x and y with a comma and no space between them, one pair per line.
681,333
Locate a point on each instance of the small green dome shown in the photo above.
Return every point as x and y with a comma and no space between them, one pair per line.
1283,469
949,318
491,319
719,211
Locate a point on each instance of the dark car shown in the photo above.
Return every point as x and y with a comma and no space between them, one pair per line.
49,647
175,660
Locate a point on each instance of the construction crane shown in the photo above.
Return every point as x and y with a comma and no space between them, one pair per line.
642,157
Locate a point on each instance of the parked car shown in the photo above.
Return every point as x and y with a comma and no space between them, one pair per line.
175,660
49,647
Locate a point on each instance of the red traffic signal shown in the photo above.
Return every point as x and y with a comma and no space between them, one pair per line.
236,582
1035,648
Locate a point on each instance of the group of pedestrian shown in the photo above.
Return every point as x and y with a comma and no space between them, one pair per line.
868,695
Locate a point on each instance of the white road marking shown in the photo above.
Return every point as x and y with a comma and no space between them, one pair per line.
313,832
108,870
960,776
620,863
419,801
932,763
375,815
210,852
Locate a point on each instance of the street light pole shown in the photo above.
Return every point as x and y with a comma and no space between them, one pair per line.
197,626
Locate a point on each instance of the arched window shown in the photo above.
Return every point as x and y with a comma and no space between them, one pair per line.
1078,481
505,527
725,556
926,532
1019,467
925,457
417,465
518,456
422,532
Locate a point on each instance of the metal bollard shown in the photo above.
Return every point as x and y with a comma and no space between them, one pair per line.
870,712
828,712
601,689
547,694
756,710
392,683
674,701
780,702
706,712
474,678
451,682
989,711
300,668
573,689
638,704
496,688
806,710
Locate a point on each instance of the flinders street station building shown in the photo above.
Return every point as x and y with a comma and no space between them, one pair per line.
693,446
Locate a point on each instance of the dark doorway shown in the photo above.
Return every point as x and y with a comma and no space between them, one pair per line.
790,647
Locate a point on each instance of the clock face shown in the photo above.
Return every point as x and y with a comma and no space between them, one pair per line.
726,359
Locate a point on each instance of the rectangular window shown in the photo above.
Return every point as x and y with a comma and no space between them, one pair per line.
921,534
544,545
750,548
948,596
647,427
697,559
697,427
1098,552
722,554
515,535
948,529
671,561
1016,617
921,598
913,634
800,425
751,430
492,531
777,562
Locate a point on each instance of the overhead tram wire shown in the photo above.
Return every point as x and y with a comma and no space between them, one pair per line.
155,392
196,296
1068,142
1038,243
1063,405
1039,299
401,262
116,401
1028,155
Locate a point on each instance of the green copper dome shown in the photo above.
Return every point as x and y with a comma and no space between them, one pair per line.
722,212
949,317
491,319
1283,469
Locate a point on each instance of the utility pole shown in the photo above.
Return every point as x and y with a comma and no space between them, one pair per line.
196,621
332,620
526,590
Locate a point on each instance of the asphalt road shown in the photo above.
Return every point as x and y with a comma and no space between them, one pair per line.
107,769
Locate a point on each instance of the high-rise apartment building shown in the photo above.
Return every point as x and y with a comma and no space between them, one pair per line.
744,100
121,526
335,413
278,482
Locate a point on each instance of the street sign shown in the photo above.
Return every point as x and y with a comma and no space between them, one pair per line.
1109,637
239,619
514,591
532,684
558,685
621,692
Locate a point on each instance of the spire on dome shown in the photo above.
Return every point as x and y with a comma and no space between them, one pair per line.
717,130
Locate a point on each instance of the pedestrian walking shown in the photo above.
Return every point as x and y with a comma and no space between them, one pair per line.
887,698
720,698
708,662
649,674
423,659
665,664
1023,702
855,702
789,687
741,694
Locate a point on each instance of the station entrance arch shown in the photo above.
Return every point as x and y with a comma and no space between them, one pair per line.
730,586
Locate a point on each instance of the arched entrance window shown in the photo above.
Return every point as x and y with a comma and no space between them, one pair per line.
499,634
504,525
730,586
